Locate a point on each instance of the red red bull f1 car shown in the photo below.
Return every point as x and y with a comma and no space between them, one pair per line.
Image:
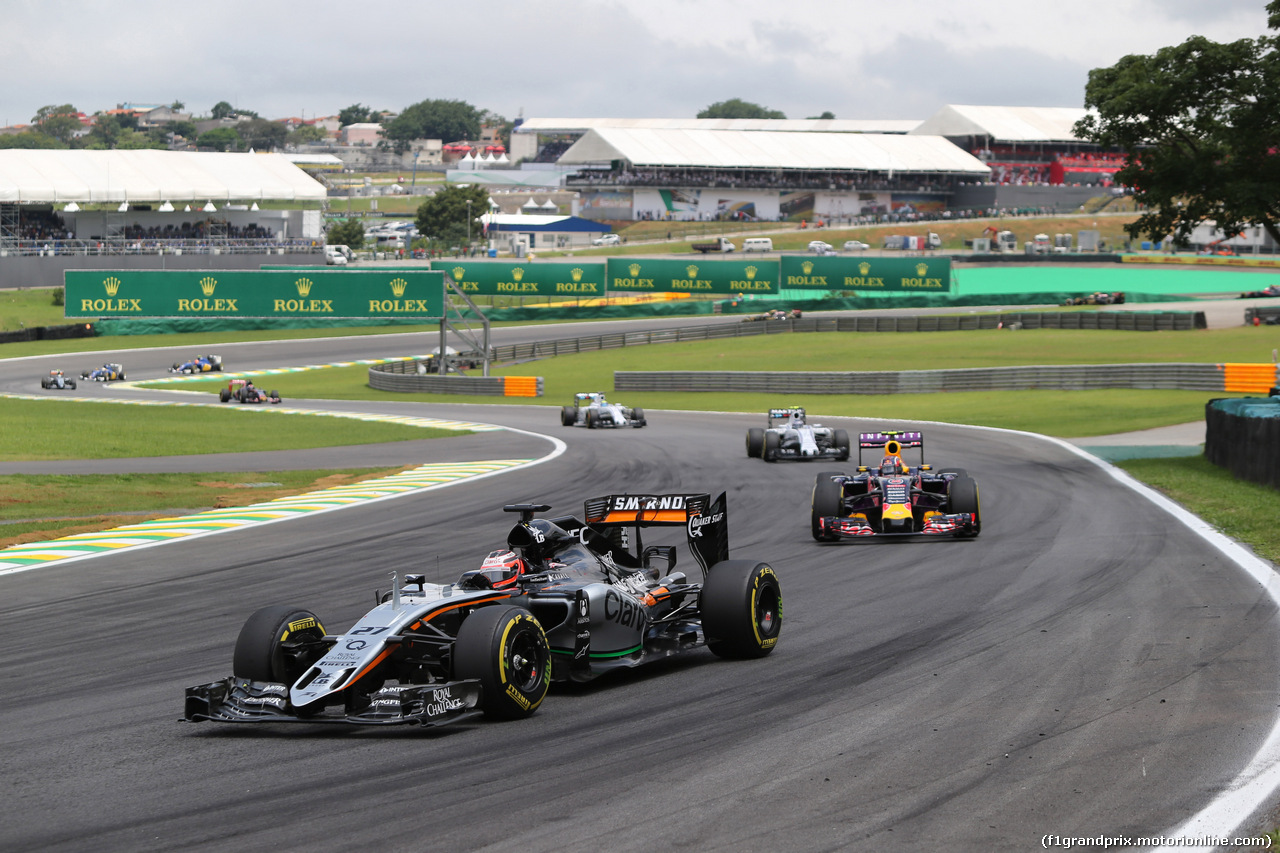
568,600
893,498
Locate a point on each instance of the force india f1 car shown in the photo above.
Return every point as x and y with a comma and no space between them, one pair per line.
56,379
106,373
789,436
199,364
579,600
594,412
894,499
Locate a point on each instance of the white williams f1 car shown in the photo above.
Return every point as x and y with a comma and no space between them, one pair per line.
568,600
594,412
790,436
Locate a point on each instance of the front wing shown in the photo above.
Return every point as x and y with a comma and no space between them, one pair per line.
784,453
238,700
858,527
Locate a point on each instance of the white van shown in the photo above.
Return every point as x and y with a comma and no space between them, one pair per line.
757,244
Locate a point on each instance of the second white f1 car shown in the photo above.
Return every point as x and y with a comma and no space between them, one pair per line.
790,436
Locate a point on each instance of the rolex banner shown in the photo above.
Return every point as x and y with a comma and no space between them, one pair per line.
501,278
872,273
693,276
265,293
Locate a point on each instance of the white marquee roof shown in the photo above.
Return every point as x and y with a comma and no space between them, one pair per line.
1005,124
766,150
810,125
55,176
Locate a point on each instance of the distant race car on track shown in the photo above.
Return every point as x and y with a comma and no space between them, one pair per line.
106,373
790,436
244,391
199,364
567,600
594,412
894,499
56,379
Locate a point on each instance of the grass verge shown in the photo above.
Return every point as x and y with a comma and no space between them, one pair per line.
37,430
1242,510
40,507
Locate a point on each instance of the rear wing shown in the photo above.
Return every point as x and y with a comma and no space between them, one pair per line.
706,522
885,441
786,413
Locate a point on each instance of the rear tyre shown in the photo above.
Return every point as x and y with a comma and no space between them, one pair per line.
277,644
841,441
568,415
827,497
506,650
755,442
741,609
962,496
771,444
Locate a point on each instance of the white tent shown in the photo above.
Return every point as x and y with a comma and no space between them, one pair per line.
56,176
729,149
1005,124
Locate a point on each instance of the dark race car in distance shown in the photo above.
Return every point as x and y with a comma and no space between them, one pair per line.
244,391
569,600
1270,290
789,435
106,373
893,498
57,379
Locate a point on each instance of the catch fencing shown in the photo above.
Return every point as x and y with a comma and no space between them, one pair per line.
1069,377
1103,320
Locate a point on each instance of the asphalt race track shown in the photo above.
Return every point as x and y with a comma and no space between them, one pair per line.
1087,666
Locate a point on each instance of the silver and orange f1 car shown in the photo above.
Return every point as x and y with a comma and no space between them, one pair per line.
568,600
893,498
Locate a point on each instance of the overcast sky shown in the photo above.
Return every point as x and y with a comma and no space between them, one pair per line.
860,59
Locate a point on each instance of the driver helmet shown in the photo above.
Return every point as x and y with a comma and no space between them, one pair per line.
502,568
538,539
796,420
891,466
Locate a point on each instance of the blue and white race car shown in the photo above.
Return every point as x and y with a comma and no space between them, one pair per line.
106,373
593,411
790,436
199,364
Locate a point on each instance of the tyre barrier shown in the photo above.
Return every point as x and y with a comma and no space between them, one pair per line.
1247,378
1262,316
1135,321
403,376
1243,436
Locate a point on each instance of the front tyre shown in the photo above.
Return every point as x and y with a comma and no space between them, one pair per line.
840,439
755,442
741,609
962,496
771,444
828,495
637,416
278,644
506,649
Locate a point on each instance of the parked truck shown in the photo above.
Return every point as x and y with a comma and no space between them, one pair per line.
716,244
913,243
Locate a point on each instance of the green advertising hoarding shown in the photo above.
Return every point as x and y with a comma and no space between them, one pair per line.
254,293
505,278
693,276
871,273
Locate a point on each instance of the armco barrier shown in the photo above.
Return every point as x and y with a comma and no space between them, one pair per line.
1243,436
403,376
1069,377
1109,320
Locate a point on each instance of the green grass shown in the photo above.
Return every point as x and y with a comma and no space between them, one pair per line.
1240,509
41,430
38,507
27,309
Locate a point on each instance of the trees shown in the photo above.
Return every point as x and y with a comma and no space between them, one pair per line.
448,121
220,139
222,110
443,216
1199,124
61,122
30,139
354,114
305,134
262,134
349,234
738,108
